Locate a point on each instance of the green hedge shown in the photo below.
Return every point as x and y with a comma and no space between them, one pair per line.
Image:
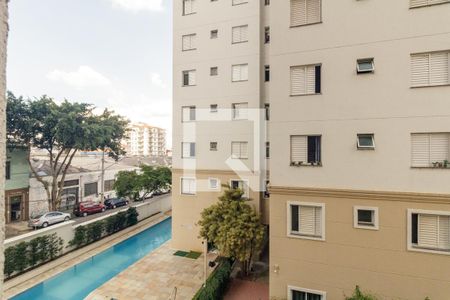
97,230
217,282
26,255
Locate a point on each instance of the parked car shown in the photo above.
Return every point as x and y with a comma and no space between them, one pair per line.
47,219
87,208
115,202
162,191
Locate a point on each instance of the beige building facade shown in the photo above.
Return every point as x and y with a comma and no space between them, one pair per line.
359,133
145,140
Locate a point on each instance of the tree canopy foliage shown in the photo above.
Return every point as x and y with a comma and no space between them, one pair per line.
234,227
139,185
61,129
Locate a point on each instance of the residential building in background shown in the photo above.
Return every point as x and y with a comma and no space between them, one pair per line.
145,140
217,100
17,174
357,98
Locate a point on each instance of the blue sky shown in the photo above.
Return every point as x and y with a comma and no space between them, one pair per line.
112,53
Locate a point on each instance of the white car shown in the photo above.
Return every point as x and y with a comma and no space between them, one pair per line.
49,218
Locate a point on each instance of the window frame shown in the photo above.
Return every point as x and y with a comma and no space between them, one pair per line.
181,186
240,3
240,150
415,248
214,34
212,148
190,107
306,24
291,288
359,146
232,34
370,60
90,184
184,8
182,77
233,111
213,108
375,215
8,168
427,5
246,194
266,73
211,73
191,35
289,220
306,163
317,86
266,35
217,188
190,152
429,54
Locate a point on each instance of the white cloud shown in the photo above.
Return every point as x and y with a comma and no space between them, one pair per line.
157,81
85,76
139,5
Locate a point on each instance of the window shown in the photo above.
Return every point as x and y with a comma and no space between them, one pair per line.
239,72
267,149
305,150
240,111
429,230
430,69
306,80
214,71
266,2
189,78
237,2
239,150
305,12
267,108
189,42
239,34
365,217
188,186
306,220
214,183
365,65
188,7
366,141
213,108
266,73
267,35
188,150
188,113
214,34
8,170
213,146
242,185
74,182
266,189
109,185
90,189
420,3
430,150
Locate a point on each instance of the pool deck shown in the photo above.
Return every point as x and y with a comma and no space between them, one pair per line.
23,282
155,277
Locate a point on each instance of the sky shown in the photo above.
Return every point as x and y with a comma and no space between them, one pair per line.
111,53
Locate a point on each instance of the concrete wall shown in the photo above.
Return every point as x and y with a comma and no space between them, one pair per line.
66,230
3,43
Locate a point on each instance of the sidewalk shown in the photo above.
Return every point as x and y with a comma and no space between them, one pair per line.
247,290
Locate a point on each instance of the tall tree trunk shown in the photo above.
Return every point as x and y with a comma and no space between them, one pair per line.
3,42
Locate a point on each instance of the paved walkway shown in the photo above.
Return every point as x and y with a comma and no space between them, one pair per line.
154,277
247,290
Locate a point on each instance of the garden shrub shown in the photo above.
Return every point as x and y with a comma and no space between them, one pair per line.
26,255
359,295
79,238
217,282
132,216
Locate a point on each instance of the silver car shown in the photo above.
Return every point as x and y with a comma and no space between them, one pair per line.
52,217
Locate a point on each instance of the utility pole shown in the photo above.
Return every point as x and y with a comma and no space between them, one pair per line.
102,183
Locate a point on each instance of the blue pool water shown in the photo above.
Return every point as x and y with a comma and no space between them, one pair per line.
77,282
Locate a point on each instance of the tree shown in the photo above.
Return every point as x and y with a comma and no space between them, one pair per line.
234,227
61,129
138,186
127,184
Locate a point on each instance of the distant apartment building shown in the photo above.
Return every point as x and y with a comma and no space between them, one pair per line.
357,94
17,174
145,140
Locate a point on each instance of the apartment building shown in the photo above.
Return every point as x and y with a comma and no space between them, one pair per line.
357,93
145,140
218,99
360,133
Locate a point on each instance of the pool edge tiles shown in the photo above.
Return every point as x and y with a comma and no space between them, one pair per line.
78,281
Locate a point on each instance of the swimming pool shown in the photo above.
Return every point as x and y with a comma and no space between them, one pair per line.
78,281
